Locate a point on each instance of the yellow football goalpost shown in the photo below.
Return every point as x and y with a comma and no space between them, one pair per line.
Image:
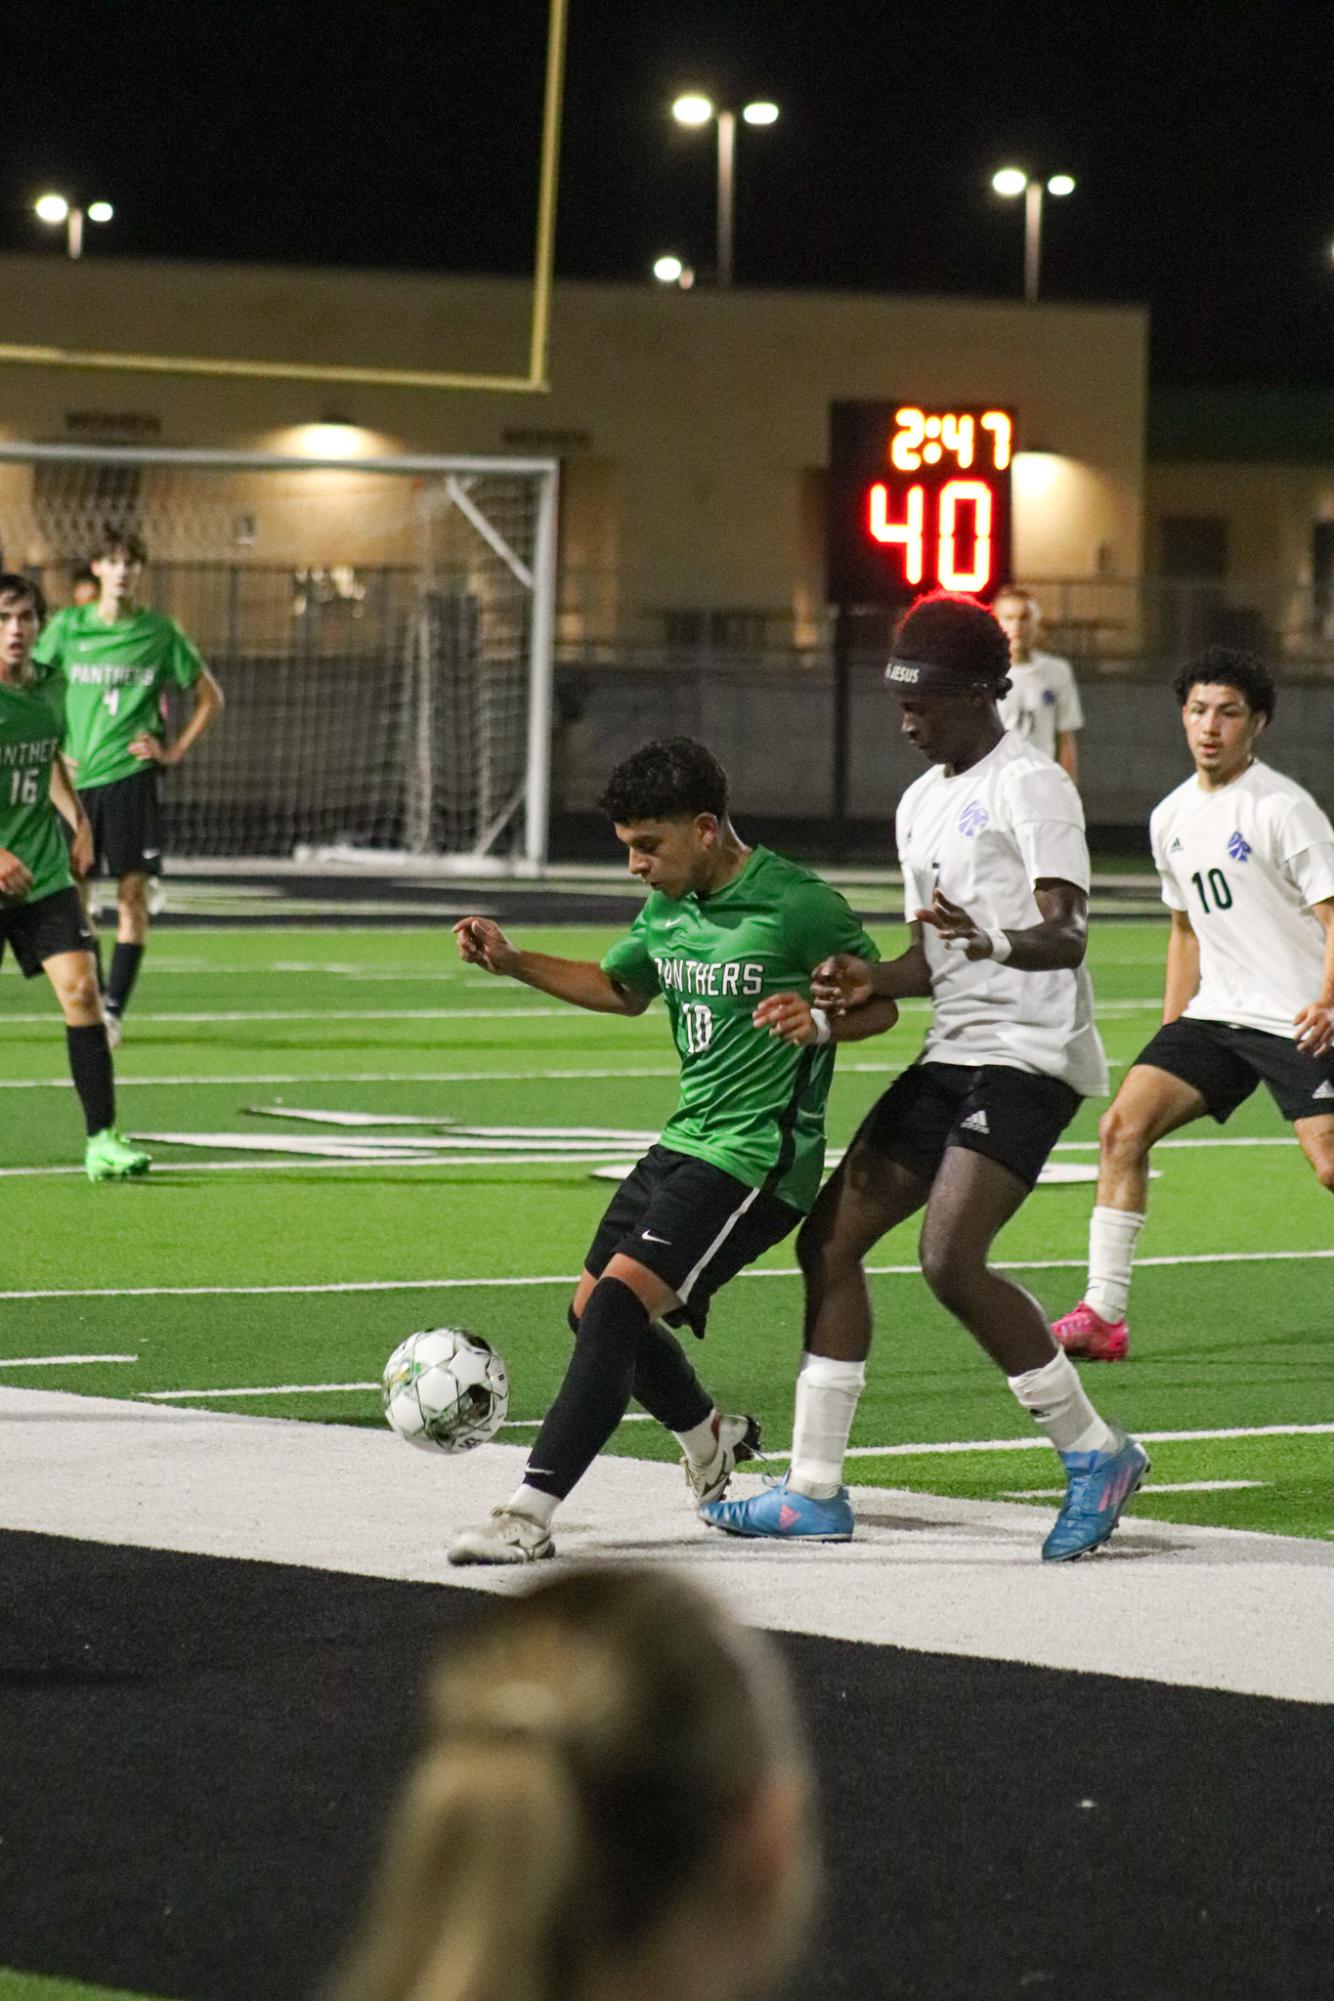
395,378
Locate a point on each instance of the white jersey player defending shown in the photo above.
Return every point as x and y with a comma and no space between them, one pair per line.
996,879
1043,704
1247,865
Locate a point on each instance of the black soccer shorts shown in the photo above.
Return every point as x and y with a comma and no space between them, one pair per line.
43,930
1014,1117
1225,1062
692,1224
126,819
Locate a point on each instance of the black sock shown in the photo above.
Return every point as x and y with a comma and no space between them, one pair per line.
90,1067
666,1384
124,972
101,969
596,1392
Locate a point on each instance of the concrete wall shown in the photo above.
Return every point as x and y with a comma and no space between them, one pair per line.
693,426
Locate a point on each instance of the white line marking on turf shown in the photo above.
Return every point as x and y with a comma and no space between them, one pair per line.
391,1077
270,1164
58,1361
1145,1487
315,1390
572,1278
268,1390
312,1017
1040,1444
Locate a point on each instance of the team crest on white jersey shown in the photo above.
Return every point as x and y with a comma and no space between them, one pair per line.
1239,848
973,818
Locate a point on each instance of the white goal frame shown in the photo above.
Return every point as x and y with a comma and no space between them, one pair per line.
533,569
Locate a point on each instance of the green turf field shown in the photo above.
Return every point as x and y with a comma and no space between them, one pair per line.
228,1271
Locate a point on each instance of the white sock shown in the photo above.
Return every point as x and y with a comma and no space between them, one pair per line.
1112,1237
533,1501
1054,1397
700,1443
827,1393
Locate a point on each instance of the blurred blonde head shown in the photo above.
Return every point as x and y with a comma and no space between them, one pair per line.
612,1802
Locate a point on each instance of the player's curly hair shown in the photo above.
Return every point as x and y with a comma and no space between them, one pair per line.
950,629
1229,667
14,585
670,779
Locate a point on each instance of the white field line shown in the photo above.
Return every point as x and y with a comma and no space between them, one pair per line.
391,1076
1043,1444
462,1144
321,1163
57,1361
312,1017
573,1074
572,1278
1145,1487
330,1389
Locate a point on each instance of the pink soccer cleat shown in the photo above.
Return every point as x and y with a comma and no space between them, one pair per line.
1086,1334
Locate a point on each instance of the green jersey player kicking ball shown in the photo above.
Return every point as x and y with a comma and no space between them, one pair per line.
728,936
40,912
120,660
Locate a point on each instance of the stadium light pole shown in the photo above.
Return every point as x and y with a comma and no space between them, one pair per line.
693,108
1013,181
55,209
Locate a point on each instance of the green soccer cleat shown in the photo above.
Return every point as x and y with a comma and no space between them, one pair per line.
109,1156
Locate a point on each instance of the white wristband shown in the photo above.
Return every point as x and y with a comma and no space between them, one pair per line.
822,1029
1001,948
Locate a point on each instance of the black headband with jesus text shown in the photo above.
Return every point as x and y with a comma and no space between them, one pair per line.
932,677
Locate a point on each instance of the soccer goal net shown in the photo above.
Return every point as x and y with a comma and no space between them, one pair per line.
382,629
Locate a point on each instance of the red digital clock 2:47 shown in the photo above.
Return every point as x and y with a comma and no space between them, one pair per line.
919,500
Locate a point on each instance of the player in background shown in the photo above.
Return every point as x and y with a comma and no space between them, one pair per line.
1247,865
728,936
1042,704
119,660
40,912
83,586
996,877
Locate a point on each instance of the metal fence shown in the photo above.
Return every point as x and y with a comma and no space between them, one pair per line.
1124,626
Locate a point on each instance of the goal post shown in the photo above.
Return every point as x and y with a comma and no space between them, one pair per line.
382,629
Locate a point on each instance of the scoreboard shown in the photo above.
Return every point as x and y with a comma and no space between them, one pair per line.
919,500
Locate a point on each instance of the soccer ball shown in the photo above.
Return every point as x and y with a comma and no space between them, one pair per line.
446,1390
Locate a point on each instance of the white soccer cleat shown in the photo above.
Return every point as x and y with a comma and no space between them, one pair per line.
737,1438
115,1030
507,1536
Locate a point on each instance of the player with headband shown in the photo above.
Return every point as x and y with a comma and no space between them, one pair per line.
996,878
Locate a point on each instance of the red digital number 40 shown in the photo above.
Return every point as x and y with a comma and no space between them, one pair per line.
963,546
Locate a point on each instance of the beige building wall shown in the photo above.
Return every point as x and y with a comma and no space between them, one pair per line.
692,427
1270,512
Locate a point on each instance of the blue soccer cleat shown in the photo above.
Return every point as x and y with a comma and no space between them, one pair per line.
784,1516
1100,1484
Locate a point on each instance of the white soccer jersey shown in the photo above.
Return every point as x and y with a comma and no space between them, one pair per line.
1245,863
1043,701
986,836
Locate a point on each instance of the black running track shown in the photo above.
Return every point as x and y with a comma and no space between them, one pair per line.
196,1756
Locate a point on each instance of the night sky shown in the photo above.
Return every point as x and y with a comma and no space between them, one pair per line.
406,135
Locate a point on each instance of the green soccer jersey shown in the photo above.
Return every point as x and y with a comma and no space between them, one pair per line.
117,674
32,720
750,1103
